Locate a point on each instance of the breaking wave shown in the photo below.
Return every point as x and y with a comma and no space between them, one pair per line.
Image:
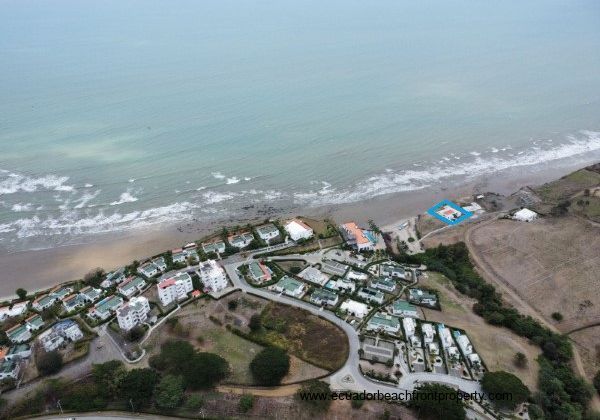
74,214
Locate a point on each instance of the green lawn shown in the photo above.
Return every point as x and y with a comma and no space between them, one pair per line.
237,351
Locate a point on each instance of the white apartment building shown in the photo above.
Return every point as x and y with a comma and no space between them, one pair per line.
175,288
133,313
212,275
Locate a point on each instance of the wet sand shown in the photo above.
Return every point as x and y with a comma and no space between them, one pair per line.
39,269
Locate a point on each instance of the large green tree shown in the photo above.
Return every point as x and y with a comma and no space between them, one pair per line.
169,391
205,370
429,408
138,386
109,376
498,383
270,366
49,363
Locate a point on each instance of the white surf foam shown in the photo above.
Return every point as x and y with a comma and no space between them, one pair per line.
232,180
126,197
408,180
17,182
218,175
19,207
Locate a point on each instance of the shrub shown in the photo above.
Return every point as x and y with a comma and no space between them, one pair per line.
232,305
138,386
520,360
21,293
270,366
169,391
557,316
135,334
315,387
246,402
357,403
94,277
255,323
193,402
49,363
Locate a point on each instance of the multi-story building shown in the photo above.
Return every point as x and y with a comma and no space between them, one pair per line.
174,288
212,275
133,313
360,239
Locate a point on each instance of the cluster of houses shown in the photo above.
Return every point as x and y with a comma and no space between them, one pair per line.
368,295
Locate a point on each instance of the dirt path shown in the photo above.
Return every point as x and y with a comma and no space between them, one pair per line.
515,299
280,391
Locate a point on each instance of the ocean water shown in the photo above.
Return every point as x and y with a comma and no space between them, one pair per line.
118,114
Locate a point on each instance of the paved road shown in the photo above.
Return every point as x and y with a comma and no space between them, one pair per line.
102,349
349,376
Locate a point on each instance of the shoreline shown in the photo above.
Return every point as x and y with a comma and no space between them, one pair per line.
35,270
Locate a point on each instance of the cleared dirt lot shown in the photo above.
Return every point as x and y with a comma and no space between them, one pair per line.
496,345
553,264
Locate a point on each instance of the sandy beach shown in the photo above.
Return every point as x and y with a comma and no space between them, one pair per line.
39,269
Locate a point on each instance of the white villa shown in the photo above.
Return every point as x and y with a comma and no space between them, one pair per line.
403,308
290,287
463,342
148,269
428,332
131,286
384,283
445,336
324,296
313,275
267,232
409,326
385,322
12,310
298,230
354,308
218,247
341,285
371,295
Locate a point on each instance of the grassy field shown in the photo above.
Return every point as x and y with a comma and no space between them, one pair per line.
588,207
204,323
497,346
307,336
427,224
588,345
568,185
287,265
553,264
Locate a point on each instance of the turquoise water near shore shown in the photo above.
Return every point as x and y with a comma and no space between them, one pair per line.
116,115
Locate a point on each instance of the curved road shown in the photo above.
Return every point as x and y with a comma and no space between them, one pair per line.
349,377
